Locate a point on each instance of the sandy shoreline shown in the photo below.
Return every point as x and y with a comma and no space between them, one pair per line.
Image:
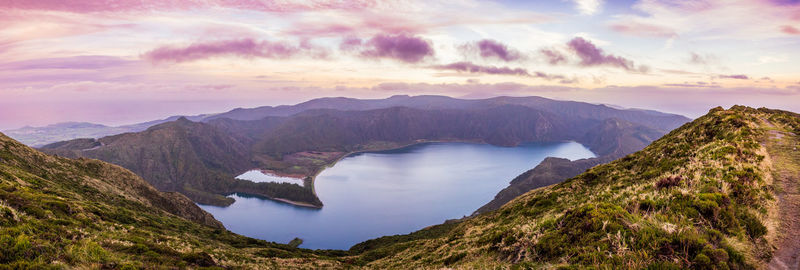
302,204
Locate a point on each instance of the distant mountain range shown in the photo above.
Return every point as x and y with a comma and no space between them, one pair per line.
39,136
200,159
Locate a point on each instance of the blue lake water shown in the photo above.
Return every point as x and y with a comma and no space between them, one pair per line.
369,195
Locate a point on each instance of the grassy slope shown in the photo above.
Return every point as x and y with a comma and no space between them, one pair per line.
59,212
721,213
195,159
611,139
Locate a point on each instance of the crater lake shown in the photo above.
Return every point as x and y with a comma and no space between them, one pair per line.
373,194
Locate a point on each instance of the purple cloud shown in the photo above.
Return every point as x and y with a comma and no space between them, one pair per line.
737,76
409,49
240,47
488,48
492,70
350,43
590,55
553,57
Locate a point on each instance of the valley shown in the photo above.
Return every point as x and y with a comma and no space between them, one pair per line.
201,159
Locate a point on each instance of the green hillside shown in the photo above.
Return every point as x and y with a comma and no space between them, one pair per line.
87,214
704,196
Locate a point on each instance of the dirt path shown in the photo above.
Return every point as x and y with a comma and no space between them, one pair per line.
782,147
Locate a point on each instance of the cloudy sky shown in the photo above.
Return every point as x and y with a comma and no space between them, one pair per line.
125,61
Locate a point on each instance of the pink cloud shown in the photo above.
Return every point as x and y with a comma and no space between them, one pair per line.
788,29
590,55
488,48
641,29
82,6
553,57
409,49
241,47
492,70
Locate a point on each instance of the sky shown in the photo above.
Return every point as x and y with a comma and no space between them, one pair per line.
125,61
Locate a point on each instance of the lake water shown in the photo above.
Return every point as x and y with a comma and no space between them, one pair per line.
369,195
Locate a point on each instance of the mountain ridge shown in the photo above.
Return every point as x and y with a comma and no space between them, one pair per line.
305,143
39,136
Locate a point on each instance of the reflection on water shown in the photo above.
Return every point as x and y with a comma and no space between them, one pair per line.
374,194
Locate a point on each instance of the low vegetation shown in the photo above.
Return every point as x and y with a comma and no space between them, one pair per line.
63,213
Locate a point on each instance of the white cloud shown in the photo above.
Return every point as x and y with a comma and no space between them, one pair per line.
588,7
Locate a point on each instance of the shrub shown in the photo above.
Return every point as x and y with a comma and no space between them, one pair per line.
668,182
199,259
454,258
752,226
663,265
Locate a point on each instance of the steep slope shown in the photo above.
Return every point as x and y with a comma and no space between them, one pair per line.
616,137
704,196
88,214
652,119
195,159
344,131
550,171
